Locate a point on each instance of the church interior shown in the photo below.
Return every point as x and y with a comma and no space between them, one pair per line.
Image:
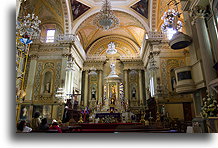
117,66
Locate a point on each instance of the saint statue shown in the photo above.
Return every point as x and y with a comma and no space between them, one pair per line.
93,93
112,66
173,83
47,87
133,92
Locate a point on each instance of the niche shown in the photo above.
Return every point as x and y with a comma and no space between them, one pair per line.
47,82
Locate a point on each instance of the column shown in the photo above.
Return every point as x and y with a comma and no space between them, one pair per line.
86,88
63,66
31,77
18,4
100,87
126,86
69,84
140,88
204,43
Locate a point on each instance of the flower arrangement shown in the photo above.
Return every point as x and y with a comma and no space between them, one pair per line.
209,108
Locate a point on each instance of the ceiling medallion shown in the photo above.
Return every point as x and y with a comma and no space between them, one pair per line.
106,20
111,48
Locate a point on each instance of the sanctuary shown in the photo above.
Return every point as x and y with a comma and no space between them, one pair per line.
116,66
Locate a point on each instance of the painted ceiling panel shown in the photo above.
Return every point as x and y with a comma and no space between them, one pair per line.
141,7
78,9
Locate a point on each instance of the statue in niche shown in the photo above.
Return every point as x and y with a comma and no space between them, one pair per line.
112,66
47,82
47,87
133,92
23,114
93,93
113,94
173,79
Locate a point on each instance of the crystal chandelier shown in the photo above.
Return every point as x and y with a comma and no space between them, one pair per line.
106,20
171,20
28,26
111,48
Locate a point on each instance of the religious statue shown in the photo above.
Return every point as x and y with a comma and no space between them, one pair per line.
113,101
133,92
173,83
47,87
23,113
112,66
93,93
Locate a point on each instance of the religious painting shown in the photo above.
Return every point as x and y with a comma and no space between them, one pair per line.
141,7
46,111
24,112
78,8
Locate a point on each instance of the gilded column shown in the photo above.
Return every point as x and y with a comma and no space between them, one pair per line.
31,77
100,86
126,86
204,43
140,88
86,88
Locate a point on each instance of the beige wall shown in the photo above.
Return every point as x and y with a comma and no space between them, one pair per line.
175,111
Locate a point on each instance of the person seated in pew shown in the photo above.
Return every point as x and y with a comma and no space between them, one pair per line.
55,126
44,125
23,128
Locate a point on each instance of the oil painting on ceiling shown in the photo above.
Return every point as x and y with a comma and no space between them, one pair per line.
78,8
141,7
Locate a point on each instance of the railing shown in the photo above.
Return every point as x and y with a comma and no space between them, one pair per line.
56,39
130,57
96,57
155,36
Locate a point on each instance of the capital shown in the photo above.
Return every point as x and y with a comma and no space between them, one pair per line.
34,56
197,13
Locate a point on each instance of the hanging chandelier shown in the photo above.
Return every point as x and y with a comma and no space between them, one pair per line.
111,48
172,27
28,26
171,19
106,20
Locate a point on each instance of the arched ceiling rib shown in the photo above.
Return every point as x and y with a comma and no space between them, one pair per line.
129,27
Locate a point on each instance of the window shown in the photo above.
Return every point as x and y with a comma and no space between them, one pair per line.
152,86
50,36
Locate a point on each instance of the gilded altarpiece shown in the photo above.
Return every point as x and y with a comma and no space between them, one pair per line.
93,91
166,68
46,82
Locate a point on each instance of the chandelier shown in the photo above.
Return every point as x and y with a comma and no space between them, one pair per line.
106,20
172,26
111,48
28,26
171,19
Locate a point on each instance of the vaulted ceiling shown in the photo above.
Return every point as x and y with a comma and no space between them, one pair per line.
136,17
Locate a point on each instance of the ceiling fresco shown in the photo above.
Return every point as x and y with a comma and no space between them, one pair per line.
78,9
129,27
141,7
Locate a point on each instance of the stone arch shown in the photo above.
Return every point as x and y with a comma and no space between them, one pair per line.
124,45
94,11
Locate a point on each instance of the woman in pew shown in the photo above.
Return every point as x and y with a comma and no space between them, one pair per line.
44,125
23,128
36,121
55,126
